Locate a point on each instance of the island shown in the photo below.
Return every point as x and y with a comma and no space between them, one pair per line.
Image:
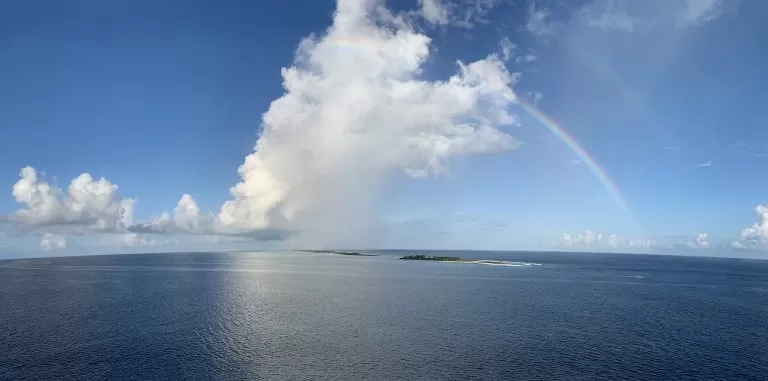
437,258
433,258
338,252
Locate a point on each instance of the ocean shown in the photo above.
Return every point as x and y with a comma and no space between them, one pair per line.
309,316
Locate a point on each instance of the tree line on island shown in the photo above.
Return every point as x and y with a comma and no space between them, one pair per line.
422,257
339,252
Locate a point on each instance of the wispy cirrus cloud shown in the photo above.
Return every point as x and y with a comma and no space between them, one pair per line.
626,16
535,97
464,14
697,12
703,165
737,144
540,23
608,15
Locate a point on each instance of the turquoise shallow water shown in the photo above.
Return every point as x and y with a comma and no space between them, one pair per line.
308,316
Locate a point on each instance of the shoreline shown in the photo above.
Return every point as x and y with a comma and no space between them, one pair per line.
489,262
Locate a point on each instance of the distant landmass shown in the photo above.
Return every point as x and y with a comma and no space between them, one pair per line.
438,258
432,258
422,257
339,252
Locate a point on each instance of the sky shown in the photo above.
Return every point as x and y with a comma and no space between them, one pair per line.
584,125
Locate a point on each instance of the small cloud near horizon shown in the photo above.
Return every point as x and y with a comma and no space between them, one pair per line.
704,164
676,236
738,144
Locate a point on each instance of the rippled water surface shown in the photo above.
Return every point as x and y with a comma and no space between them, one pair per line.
308,316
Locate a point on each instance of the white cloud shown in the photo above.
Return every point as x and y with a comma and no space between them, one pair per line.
704,164
434,11
464,14
739,144
609,15
590,240
225,239
539,23
86,202
526,58
133,239
323,153
672,148
535,97
738,245
642,243
701,242
187,214
474,11
697,12
756,236
186,219
627,16
507,49
53,242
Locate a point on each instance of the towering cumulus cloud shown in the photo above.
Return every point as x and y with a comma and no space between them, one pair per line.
355,110
755,236
87,202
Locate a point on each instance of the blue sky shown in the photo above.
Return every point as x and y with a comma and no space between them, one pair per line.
167,98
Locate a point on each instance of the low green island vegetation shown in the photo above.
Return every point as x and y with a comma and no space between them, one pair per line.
339,252
432,258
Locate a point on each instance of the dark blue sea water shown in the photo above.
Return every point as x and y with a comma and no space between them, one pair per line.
295,316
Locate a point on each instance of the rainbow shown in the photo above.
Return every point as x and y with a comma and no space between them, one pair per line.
577,149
